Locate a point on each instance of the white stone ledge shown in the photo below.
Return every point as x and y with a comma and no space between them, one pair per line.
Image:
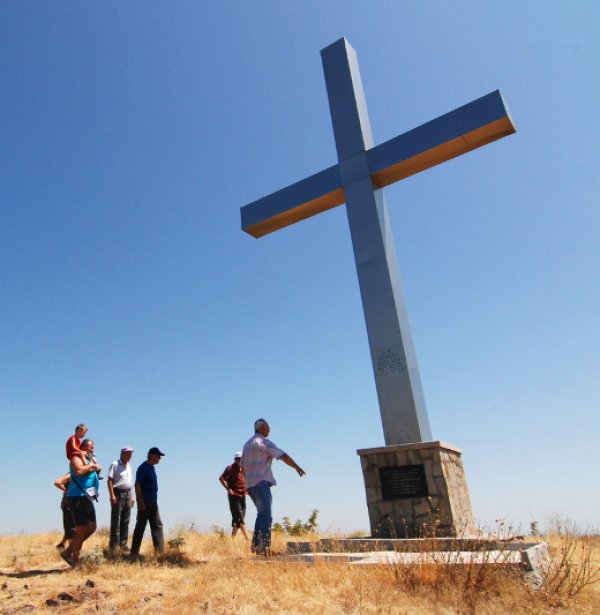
409,447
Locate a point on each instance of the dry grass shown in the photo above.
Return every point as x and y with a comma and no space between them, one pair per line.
210,573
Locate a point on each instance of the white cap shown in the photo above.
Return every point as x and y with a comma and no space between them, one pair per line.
238,454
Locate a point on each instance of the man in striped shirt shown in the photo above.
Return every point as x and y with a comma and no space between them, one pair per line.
257,457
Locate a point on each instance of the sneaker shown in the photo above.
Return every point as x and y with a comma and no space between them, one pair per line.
124,548
67,559
136,557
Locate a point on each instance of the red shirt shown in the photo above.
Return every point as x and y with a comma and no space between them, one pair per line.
233,475
73,446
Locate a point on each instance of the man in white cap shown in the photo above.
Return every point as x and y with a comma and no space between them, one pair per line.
235,484
120,491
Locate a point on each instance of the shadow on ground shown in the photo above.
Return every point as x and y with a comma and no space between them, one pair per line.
26,574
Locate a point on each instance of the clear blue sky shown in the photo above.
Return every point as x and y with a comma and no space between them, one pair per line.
131,134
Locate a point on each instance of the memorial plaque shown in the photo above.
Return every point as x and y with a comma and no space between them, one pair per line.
399,482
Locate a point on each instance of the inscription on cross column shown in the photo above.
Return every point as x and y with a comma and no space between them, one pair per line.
363,169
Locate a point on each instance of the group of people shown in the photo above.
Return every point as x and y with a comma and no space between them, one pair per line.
250,473
80,487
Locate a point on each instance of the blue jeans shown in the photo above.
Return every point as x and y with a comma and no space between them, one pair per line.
261,496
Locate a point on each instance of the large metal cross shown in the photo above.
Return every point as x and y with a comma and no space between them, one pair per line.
362,171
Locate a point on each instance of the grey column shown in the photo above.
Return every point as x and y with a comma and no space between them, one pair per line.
397,378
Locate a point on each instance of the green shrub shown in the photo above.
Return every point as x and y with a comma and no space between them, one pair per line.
298,528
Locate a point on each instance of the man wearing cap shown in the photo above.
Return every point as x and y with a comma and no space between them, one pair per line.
146,493
120,491
257,457
235,484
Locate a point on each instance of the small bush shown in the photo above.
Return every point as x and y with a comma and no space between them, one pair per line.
180,534
176,542
298,528
572,568
219,532
93,558
173,557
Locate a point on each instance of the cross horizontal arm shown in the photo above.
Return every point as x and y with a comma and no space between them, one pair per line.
301,200
479,122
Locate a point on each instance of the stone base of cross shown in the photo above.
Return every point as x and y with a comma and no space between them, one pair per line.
417,491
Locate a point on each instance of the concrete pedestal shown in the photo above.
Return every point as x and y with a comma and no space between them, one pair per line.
416,490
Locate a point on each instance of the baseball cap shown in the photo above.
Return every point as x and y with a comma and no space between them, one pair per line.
155,451
238,454
127,449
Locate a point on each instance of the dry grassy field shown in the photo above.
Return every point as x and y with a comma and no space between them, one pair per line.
211,573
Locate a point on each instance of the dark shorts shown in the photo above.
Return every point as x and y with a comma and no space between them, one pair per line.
68,521
237,506
83,510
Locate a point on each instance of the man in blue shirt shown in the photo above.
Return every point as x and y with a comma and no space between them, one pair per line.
146,493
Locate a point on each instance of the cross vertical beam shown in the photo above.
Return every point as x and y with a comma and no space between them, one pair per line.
401,400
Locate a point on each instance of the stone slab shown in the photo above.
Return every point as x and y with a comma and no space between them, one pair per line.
531,558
